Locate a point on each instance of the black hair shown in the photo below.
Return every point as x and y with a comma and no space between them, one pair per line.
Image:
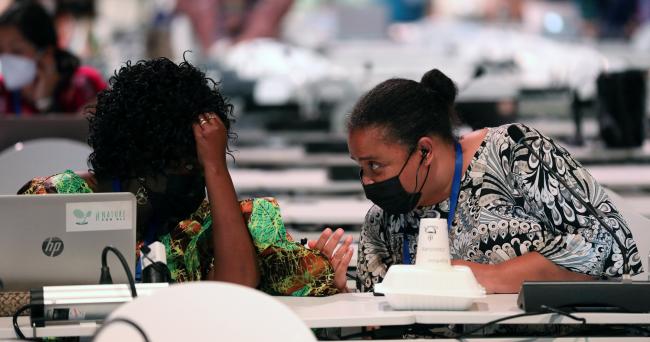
76,8
37,26
142,124
33,22
408,109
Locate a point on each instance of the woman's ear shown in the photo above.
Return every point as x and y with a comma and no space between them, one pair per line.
425,146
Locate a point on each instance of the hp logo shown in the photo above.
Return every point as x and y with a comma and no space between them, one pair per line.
52,246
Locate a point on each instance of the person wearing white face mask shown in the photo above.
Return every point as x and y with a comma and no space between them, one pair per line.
35,75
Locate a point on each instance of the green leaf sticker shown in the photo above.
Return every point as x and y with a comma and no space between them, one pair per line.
79,214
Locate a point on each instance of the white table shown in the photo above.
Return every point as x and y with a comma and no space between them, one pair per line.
364,309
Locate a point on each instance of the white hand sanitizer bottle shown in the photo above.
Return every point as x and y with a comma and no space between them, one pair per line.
433,244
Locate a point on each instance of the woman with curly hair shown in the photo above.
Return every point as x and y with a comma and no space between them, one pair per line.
160,131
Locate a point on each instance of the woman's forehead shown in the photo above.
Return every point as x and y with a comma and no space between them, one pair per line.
371,141
11,36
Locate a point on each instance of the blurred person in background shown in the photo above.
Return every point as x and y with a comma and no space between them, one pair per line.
74,21
37,75
234,21
406,10
610,18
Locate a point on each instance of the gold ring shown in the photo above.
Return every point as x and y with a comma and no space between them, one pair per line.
202,121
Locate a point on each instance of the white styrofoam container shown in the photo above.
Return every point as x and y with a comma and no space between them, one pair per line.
411,287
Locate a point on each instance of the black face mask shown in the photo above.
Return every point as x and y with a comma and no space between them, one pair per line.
391,196
176,200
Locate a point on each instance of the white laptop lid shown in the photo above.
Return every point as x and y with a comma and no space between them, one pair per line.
57,239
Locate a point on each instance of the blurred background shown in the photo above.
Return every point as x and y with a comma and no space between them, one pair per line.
576,70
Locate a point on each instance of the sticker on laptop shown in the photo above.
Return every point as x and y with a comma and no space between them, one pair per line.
94,216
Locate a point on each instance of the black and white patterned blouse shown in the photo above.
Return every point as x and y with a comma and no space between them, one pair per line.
509,205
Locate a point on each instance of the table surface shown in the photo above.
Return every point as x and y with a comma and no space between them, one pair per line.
364,309
359,309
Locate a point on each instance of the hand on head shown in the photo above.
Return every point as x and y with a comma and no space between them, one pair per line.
211,138
339,257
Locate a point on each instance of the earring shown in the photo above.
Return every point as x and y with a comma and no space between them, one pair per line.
141,196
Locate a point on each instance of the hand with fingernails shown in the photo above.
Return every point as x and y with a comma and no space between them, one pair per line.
211,138
339,257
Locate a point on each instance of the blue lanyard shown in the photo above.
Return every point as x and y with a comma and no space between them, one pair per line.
16,101
455,186
453,200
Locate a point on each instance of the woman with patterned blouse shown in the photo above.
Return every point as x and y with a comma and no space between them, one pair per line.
160,131
512,220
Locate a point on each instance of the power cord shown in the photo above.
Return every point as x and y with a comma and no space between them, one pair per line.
122,320
105,277
545,310
19,333
351,276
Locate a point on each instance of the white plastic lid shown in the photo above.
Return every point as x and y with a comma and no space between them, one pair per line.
455,281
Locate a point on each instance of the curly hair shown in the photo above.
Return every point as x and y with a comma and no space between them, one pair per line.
142,123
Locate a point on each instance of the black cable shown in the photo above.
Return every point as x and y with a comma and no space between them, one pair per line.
563,313
416,329
122,320
19,333
362,334
353,277
547,310
105,277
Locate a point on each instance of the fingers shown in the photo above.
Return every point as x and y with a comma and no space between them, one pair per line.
329,247
343,249
207,120
196,128
327,244
207,124
204,121
341,253
341,269
212,116
344,262
324,237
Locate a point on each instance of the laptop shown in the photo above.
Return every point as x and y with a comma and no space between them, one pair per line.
20,129
58,239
